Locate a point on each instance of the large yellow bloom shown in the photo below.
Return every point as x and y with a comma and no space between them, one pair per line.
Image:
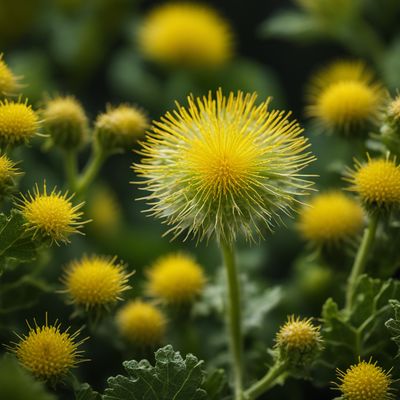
95,281
365,381
141,323
176,278
344,96
330,217
47,352
224,166
51,214
186,34
377,182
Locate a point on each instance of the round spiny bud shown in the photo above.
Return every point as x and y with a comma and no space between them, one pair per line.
8,81
298,342
66,122
120,127
365,381
377,183
8,173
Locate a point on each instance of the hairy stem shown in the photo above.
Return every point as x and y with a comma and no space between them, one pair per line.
361,258
71,169
234,317
270,379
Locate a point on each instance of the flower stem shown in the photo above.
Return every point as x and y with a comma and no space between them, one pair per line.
71,169
234,317
91,170
361,258
277,371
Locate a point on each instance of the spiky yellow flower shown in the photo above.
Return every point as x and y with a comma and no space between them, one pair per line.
18,123
65,121
224,166
345,97
298,341
141,323
377,182
330,217
48,352
95,281
365,381
120,127
51,214
187,34
8,81
394,108
176,278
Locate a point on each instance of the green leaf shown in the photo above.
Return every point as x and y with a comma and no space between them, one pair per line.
359,333
18,384
291,25
215,384
172,378
393,324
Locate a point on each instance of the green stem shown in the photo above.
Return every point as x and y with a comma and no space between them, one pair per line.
71,169
91,170
361,258
234,317
277,371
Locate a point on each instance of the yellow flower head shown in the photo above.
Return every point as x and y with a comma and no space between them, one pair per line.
330,217
65,121
95,281
187,34
224,166
176,278
298,341
8,170
365,381
48,352
377,182
51,214
344,96
141,323
120,127
18,123
394,109
104,211
8,81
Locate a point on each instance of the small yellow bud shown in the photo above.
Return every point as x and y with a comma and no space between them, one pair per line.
18,123
51,215
377,182
176,279
8,81
95,281
8,172
298,342
66,122
141,323
47,352
120,127
365,381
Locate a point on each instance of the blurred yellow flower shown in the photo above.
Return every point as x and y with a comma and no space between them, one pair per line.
365,381
176,278
224,166
330,217
51,214
344,97
47,352
186,34
394,109
95,281
64,119
141,323
8,81
120,127
377,182
18,123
